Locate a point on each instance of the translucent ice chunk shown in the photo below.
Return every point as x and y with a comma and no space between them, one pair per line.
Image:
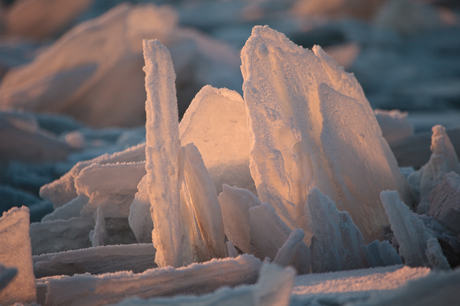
139,218
269,233
379,254
164,163
15,251
63,190
445,201
204,202
443,160
235,204
311,126
216,123
412,235
337,243
111,187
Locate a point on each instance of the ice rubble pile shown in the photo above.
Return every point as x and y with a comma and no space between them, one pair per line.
319,164
94,70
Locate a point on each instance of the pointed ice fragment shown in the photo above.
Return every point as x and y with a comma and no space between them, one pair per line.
412,235
204,202
380,254
216,123
311,126
269,233
337,243
443,160
290,248
235,204
445,202
16,251
139,217
163,160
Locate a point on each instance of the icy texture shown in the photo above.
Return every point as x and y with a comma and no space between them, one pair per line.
273,288
60,235
63,190
139,217
216,124
232,251
6,276
289,249
97,260
380,254
98,236
92,72
412,235
437,288
194,279
269,233
337,243
15,251
111,187
443,160
235,204
203,198
351,287
445,201
311,126
164,162
394,124
435,255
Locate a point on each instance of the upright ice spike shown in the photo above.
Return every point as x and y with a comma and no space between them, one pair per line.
164,162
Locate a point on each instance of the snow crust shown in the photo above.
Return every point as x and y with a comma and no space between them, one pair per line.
303,110
114,287
273,287
16,252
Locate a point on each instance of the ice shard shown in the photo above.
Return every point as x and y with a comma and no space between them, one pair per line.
203,278
16,251
111,187
337,243
98,236
63,190
204,202
164,163
235,204
139,217
311,126
96,260
445,201
269,233
216,124
443,160
381,253
416,244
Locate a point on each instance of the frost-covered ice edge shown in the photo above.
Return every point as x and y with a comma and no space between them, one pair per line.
324,186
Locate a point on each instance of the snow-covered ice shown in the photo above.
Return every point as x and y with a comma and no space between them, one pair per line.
417,244
311,126
16,252
164,157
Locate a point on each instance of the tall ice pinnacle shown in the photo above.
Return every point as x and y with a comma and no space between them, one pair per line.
164,161
311,126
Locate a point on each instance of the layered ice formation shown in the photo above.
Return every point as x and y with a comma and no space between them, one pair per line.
311,126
